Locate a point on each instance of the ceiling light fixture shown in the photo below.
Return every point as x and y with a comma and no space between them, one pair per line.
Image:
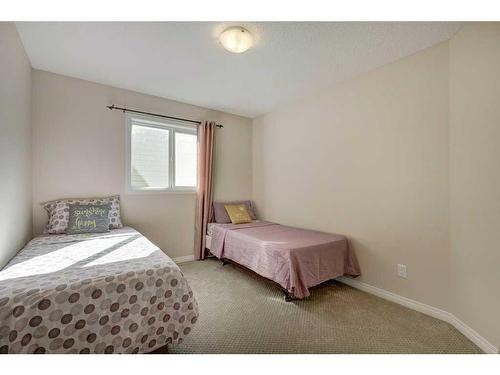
236,39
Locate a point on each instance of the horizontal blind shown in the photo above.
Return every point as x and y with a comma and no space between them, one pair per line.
149,157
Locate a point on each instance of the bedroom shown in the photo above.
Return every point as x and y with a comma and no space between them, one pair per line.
329,180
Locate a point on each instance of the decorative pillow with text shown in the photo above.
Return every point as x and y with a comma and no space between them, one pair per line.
58,211
86,218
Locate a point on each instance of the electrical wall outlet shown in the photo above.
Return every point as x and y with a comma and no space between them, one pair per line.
402,270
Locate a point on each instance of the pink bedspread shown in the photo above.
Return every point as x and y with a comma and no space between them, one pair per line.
295,258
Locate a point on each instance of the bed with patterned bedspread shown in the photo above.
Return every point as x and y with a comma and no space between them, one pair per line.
112,292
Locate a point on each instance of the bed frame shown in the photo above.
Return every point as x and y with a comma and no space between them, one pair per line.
288,296
208,241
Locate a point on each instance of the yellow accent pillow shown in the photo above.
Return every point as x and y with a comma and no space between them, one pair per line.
238,213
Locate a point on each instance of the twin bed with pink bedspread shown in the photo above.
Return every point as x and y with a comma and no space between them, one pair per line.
297,259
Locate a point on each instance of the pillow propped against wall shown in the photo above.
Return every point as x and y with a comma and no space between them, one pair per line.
220,213
238,213
58,211
86,218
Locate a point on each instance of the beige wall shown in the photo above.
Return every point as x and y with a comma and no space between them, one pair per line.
405,161
79,150
368,159
475,177
15,144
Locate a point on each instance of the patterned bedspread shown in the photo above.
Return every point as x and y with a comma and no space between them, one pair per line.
110,292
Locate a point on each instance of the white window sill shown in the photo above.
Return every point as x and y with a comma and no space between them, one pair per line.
160,191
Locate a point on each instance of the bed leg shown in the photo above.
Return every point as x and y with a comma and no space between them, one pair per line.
288,296
224,261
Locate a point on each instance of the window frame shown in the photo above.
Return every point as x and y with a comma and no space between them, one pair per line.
173,126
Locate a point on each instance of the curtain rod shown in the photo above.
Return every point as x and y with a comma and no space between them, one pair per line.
158,115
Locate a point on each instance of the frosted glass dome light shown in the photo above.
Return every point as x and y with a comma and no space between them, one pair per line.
236,39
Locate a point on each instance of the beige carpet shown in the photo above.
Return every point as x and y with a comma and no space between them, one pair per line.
241,312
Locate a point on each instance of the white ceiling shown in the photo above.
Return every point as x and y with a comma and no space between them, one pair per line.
184,61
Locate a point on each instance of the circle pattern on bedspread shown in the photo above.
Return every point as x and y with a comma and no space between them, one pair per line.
72,328
126,312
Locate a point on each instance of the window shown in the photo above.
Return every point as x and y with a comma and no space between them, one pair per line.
162,155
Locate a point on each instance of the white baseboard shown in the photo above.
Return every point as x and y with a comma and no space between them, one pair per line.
473,336
467,331
186,258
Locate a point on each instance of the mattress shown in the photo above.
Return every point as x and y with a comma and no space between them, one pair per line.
112,292
212,226
295,258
